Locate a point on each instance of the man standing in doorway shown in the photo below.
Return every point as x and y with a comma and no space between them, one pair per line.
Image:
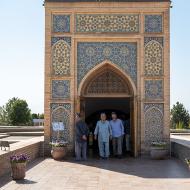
104,133
117,134
81,133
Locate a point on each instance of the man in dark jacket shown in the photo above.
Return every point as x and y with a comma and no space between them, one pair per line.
81,133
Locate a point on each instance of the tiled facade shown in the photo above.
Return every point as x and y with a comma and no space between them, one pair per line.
154,89
56,39
61,58
123,54
154,122
107,23
129,38
61,113
61,89
153,58
153,23
61,23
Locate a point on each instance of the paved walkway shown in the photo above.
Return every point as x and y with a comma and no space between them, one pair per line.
129,174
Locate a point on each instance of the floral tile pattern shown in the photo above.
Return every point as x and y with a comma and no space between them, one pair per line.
61,89
61,113
153,57
61,58
153,23
122,54
61,23
107,23
154,121
153,89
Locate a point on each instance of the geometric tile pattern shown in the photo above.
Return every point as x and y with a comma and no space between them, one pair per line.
61,113
61,58
56,39
158,39
61,23
154,119
66,106
107,23
153,59
122,54
153,23
107,82
61,89
153,89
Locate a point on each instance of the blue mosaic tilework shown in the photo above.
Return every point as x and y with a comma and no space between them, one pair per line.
154,89
61,23
154,122
61,113
153,23
56,39
66,106
123,54
61,89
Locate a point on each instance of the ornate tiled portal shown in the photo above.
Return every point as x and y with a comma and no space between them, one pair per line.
117,49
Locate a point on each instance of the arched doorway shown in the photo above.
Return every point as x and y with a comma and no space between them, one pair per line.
106,88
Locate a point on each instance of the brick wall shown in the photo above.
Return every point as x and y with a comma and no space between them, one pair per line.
33,148
180,150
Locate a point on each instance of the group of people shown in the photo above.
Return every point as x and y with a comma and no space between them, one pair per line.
105,131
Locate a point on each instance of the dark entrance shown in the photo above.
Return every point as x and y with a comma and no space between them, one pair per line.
94,106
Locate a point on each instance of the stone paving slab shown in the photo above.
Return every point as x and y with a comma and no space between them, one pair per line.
94,174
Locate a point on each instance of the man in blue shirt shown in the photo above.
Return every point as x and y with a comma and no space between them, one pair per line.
104,133
117,135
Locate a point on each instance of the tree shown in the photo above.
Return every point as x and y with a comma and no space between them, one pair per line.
41,116
34,116
37,116
179,116
18,112
3,116
15,112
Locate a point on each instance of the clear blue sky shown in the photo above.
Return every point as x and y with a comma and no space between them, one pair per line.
22,52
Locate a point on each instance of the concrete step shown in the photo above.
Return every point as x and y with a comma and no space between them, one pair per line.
26,133
3,136
5,129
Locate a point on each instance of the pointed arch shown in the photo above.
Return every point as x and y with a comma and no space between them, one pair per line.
100,70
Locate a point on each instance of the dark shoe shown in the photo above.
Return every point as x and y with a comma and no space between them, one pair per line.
78,160
119,156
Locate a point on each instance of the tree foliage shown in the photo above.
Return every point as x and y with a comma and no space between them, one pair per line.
15,112
180,117
37,116
3,116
